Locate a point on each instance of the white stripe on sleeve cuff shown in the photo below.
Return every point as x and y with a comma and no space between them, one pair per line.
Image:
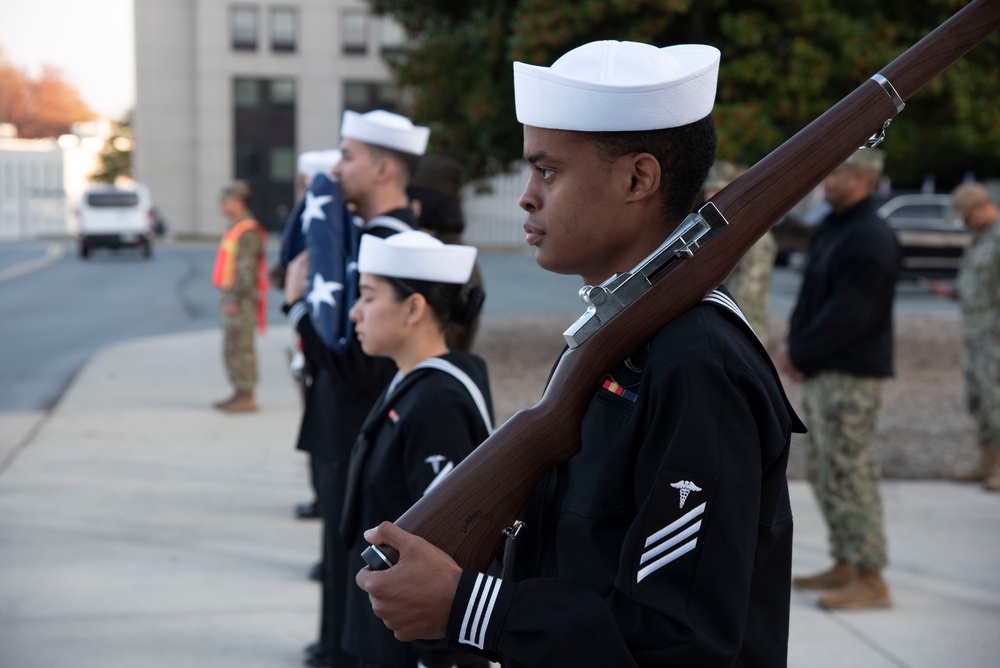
296,313
479,610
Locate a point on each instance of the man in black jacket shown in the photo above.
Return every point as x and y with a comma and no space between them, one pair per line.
380,150
666,541
840,346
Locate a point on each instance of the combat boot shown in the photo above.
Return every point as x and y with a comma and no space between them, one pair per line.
992,481
868,592
988,461
841,574
242,402
222,403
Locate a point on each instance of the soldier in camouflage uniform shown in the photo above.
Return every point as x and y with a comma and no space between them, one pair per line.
750,282
840,346
977,290
238,274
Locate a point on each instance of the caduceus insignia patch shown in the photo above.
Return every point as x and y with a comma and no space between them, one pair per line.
685,487
674,525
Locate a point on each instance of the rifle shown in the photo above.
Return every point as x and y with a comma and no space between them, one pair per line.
467,514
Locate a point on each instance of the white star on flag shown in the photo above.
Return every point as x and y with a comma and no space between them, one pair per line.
314,209
322,292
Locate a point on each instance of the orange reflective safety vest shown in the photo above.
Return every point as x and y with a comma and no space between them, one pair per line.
224,271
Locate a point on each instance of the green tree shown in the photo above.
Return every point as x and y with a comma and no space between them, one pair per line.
784,62
458,77
116,156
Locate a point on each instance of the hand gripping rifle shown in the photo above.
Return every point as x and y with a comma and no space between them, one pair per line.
467,514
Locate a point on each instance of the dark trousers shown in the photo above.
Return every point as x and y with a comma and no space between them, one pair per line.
331,480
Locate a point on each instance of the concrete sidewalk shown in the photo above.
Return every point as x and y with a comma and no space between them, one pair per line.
138,527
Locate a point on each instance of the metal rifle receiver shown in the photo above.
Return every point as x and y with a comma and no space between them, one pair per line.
606,300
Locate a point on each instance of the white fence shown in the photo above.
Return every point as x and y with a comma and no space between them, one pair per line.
32,197
494,220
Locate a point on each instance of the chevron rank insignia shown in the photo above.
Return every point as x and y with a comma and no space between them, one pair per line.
673,527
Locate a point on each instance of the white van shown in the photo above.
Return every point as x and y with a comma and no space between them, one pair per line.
111,217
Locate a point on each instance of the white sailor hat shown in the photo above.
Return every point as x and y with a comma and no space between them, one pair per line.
385,129
312,163
416,255
611,86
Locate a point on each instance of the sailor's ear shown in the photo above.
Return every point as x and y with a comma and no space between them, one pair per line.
645,177
416,307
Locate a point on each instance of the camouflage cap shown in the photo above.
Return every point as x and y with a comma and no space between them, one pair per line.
721,175
237,190
967,197
866,157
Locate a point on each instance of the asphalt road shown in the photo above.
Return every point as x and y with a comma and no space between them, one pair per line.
57,310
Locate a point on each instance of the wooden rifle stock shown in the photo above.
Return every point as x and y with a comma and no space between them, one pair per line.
467,512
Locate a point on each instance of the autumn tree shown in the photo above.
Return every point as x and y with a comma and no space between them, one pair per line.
39,107
784,62
13,92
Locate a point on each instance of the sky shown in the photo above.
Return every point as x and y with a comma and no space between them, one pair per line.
91,41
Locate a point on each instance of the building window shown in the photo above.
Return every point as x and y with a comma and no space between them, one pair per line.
354,31
362,96
246,93
282,92
264,144
284,29
243,24
391,36
282,163
248,161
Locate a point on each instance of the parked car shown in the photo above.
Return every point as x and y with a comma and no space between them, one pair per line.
932,243
109,217
931,240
